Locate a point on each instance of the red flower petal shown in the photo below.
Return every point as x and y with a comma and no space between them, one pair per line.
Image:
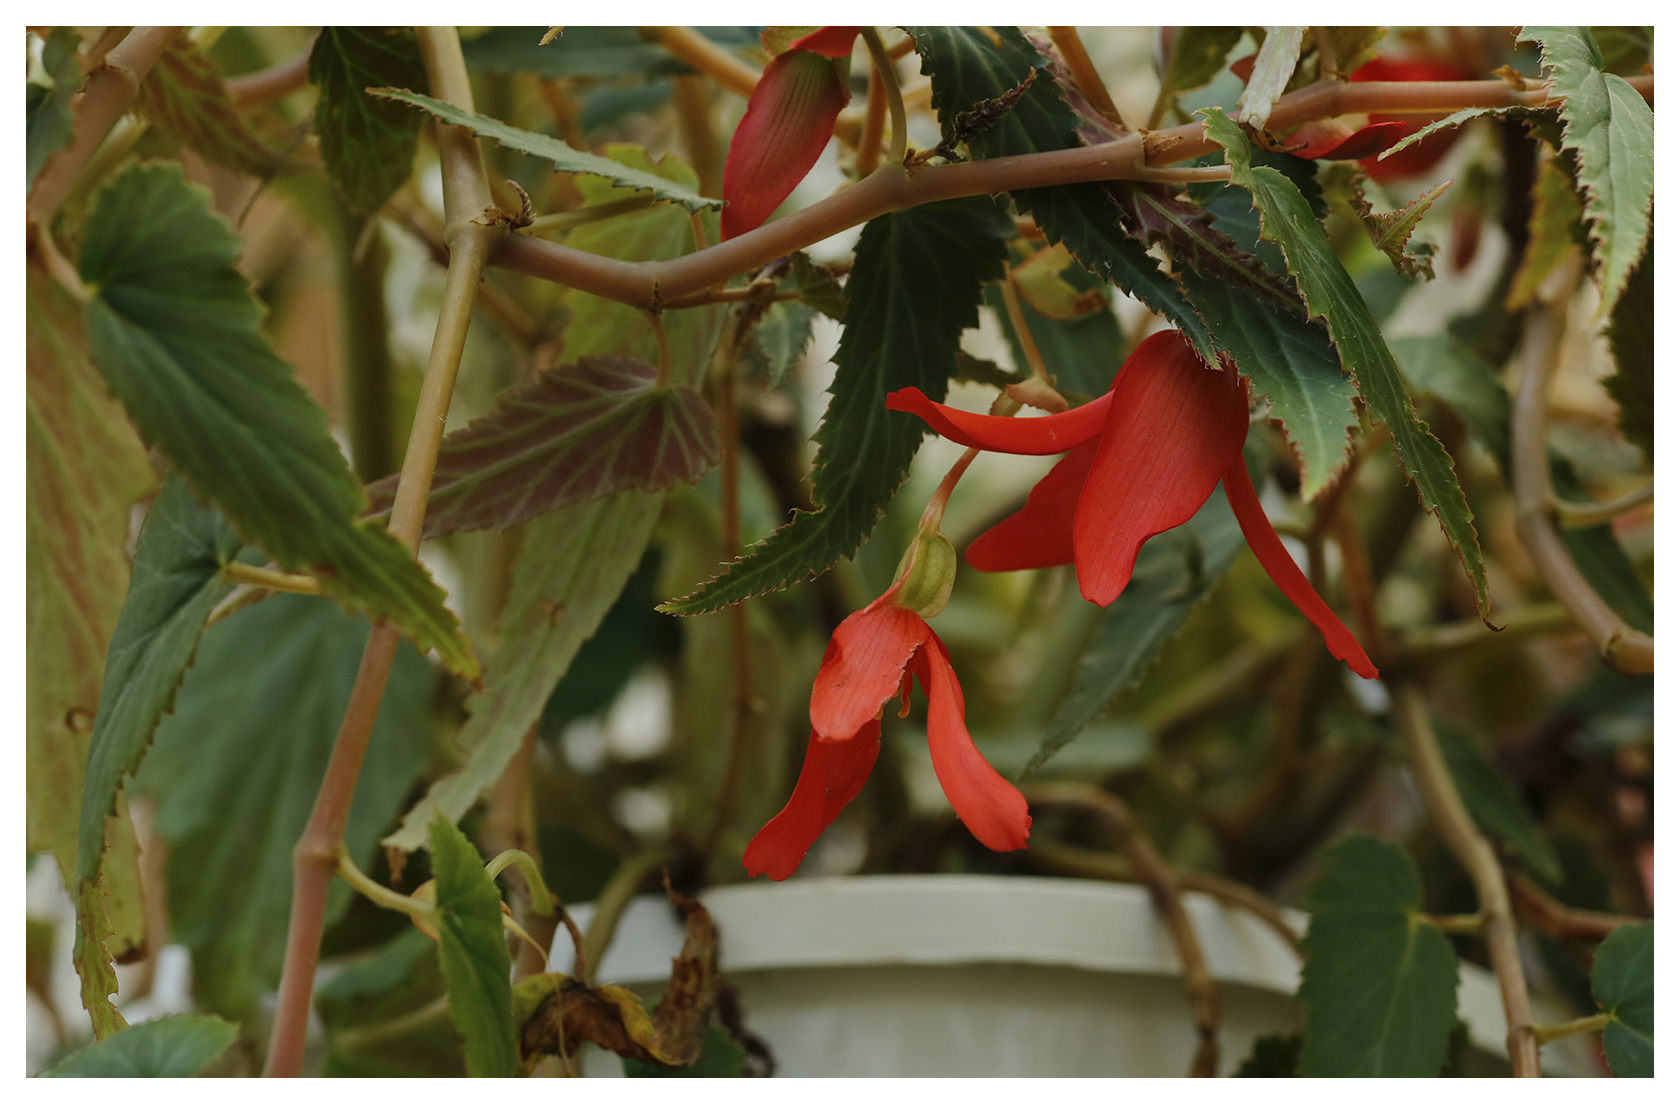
1174,427
1420,157
863,667
834,772
1022,436
1331,145
1275,558
830,42
790,117
1041,533
992,809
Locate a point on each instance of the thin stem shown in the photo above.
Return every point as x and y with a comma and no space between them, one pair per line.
934,512
390,1029
1023,332
106,95
874,122
542,902
694,112
273,580
663,340
1625,648
707,56
1085,75
1549,1033
734,295
103,45
895,96
565,220
466,192
1167,888
1477,858
1430,642
1540,909
378,894
267,85
1585,515
1468,924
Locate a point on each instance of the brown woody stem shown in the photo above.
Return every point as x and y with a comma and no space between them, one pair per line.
1541,910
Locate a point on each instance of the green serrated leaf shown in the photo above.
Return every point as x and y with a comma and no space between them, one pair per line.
1443,366
1612,131
173,1046
184,97
1495,804
571,568
781,339
564,157
1456,119
577,433
1633,336
473,954
235,768
1552,219
1175,571
817,286
1196,56
1380,984
48,119
368,145
1391,231
915,286
1330,293
177,334
90,953
1624,985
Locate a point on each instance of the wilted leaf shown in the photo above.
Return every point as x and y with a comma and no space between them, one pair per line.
1392,231
184,97
1380,983
473,954
235,769
174,1046
1040,281
48,119
1611,129
177,334
563,157
1624,985
368,145
577,433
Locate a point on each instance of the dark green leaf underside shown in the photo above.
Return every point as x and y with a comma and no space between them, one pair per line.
174,1046
368,145
473,954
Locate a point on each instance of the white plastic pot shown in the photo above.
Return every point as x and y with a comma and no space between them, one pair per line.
962,975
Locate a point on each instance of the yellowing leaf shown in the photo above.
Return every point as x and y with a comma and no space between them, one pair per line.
183,96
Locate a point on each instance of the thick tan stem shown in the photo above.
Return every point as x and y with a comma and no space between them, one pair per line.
267,85
1541,910
1477,858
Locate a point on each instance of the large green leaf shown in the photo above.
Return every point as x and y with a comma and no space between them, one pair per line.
235,769
914,288
563,157
1175,571
1330,293
572,565
1380,983
1613,133
473,953
576,433
184,97
1495,804
174,1046
48,119
177,334
1624,984
367,144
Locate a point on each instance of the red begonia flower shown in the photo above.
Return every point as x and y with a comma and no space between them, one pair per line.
1333,140
871,658
790,117
1172,430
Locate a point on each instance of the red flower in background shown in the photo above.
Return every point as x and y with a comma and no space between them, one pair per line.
1143,459
1344,140
790,116
873,655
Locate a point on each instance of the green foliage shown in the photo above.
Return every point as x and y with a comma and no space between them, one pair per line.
914,288
631,633
357,1004
1272,1056
1380,984
235,769
1626,50
1175,571
473,954
577,433
1287,219
572,566
1391,232
1495,804
1624,985
1633,342
48,118
1083,353
1456,119
367,144
183,96
564,157
780,340
176,332
1611,130
174,1046
1196,56
586,51
1553,224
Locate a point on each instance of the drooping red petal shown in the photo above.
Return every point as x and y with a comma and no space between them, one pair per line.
830,42
1331,143
1174,427
1420,157
863,667
992,809
790,117
1040,534
1275,558
834,772
1022,436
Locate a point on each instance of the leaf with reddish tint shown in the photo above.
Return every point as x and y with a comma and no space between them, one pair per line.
580,432
367,144
789,119
184,97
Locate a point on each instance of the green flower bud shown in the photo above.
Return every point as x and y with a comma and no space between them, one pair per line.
925,574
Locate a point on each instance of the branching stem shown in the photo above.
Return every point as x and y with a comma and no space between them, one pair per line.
1547,1033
